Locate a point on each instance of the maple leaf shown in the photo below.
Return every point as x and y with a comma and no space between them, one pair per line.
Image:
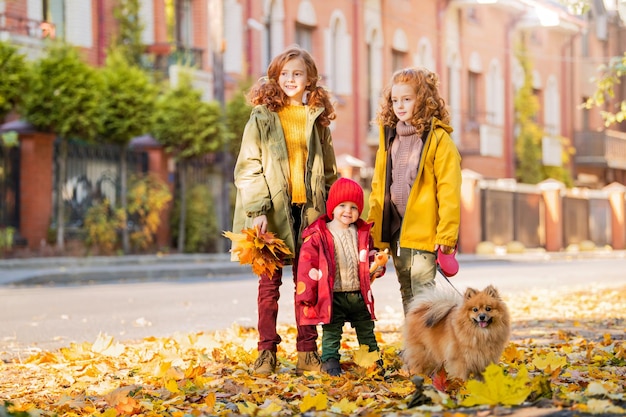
364,358
122,401
319,402
344,407
512,354
263,251
105,345
442,383
498,388
550,363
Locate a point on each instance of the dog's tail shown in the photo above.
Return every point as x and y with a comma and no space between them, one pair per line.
434,305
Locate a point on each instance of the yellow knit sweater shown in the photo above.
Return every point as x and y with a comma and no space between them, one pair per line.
293,121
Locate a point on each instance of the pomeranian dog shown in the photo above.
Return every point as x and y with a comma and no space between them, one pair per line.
462,335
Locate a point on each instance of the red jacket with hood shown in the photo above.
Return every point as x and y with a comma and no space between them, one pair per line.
316,271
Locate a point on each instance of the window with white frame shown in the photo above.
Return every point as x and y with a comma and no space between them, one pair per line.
473,81
495,95
338,67
552,106
184,23
274,31
78,23
304,37
374,71
399,50
306,23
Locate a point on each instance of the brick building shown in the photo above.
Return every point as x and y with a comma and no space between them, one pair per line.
358,44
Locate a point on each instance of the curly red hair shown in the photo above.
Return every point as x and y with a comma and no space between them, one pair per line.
425,83
267,91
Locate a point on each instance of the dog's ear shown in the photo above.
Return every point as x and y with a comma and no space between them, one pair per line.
492,291
469,293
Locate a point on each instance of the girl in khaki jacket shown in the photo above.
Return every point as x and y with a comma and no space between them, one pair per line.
284,170
415,203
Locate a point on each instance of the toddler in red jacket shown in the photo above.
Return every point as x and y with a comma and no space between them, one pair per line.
333,278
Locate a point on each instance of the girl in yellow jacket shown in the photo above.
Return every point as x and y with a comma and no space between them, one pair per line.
416,187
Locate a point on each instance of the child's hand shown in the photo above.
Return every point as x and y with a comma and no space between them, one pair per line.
378,268
260,222
379,272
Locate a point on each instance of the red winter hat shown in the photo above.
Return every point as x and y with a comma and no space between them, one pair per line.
344,189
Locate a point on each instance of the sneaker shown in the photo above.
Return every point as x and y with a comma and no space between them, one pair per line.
265,363
332,367
308,361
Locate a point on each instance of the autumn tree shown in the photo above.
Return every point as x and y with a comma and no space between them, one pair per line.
237,115
126,107
14,78
528,141
127,40
188,128
608,78
63,98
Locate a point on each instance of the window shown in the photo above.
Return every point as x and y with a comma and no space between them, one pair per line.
398,59
184,23
338,68
54,12
472,96
304,37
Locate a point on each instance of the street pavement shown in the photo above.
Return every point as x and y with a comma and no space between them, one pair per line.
127,312
70,270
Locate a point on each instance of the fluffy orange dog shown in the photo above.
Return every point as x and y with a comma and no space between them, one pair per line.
462,335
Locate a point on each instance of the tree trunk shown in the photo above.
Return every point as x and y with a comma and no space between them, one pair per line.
183,206
124,198
61,163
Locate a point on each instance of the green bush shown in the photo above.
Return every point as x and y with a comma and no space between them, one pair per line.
201,222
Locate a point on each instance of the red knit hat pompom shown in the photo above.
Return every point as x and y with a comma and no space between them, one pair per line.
344,189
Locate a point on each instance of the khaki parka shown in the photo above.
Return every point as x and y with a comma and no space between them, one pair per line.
262,174
433,208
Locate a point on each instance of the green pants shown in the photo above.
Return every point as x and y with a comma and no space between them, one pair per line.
415,270
347,307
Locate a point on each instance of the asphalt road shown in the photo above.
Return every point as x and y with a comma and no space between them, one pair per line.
52,316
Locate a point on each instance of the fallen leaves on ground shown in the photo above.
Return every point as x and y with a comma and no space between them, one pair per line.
567,351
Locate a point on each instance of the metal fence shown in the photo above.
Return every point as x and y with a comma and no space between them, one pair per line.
512,214
516,212
93,174
9,187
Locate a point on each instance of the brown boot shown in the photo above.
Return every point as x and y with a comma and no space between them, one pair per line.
308,361
265,363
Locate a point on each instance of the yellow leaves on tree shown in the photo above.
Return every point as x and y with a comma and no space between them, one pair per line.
498,388
263,251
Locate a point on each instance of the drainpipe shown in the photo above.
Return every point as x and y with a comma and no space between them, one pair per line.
567,89
100,54
442,5
248,39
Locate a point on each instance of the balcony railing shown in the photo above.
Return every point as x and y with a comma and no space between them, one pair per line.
172,54
19,25
602,149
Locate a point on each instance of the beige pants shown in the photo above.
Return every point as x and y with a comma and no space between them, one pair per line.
415,270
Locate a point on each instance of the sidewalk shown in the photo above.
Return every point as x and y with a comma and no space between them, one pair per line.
69,270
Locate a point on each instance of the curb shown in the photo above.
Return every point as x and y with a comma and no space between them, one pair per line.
69,270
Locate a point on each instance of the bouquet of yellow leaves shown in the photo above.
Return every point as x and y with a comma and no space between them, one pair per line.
264,251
